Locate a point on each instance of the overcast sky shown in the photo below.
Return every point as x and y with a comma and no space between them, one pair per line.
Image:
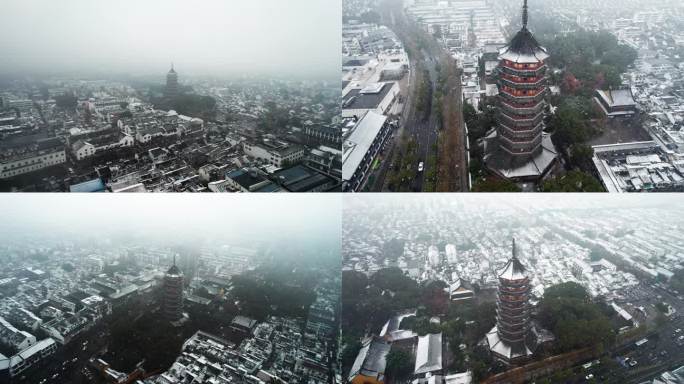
207,37
306,219
534,200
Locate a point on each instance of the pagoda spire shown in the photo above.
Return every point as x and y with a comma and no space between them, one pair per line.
524,15
515,250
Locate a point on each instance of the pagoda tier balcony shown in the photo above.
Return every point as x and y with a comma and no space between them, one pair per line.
520,142
514,283
512,307
510,301
513,318
512,338
525,97
511,282
520,149
518,137
511,69
523,289
519,82
513,315
521,108
512,326
516,121
513,335
513,331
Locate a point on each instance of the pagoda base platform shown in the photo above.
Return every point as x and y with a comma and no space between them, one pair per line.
533,168
518,353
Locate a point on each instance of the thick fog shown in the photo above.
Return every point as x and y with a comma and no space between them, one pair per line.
534,201
210,37
304,220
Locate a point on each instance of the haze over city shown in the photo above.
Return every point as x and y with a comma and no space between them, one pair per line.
313,224
503,288
218,38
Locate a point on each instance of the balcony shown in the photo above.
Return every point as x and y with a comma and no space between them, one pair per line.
522,140
512,313
511,95
521,108
522,82
523,149
512,70
514,290
519,120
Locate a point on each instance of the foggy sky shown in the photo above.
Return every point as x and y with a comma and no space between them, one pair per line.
207,37
313,219
533,200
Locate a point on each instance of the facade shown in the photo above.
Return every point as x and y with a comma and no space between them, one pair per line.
173,293
429,355
377,97
616,103
638,167
275,153
16,364
17,339
370,363
89,146
327,160
512,340
519,149
243,324
25,156
171,83
361,148
249,180
460,290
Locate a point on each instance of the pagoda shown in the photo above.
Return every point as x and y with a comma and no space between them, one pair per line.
519,150
512,339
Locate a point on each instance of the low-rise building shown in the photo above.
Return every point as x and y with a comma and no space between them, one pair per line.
247,180
377,97
91,143
274,152
301,178
636,167
13,337
361,148
243,324
16,364
429,354
613,103
27,154
369,365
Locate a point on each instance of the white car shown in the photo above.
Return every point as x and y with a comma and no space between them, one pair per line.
420,167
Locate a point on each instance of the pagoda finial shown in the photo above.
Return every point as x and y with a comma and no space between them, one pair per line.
515,250
172,61
174,259
524,15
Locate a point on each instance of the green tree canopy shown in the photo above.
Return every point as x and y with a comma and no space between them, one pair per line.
494,184
399,365
573,181
576,321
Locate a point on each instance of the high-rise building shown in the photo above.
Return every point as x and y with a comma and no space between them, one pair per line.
519,150
512,339
171,83
173,293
